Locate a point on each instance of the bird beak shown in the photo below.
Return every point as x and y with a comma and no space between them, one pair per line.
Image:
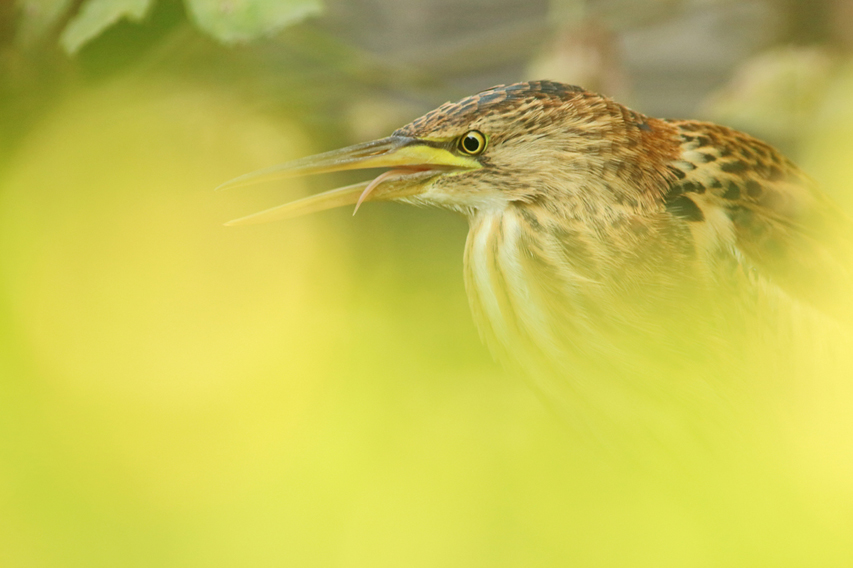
414,162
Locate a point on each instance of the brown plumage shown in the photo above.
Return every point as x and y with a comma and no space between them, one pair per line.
610,252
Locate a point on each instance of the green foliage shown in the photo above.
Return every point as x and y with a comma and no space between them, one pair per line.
229,21
37,17
236,21
97,15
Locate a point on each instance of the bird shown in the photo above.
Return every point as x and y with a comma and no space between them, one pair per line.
612,256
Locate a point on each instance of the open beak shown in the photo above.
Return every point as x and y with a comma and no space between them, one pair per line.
414,162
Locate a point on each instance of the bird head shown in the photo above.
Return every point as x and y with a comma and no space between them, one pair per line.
516,143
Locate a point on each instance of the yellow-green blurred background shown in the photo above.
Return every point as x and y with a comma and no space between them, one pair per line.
314,392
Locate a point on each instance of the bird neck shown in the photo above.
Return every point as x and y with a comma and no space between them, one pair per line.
519,271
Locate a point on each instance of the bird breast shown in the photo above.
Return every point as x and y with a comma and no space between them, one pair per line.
525,291
556,299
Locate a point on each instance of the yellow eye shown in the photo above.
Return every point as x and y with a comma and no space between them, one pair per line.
473,143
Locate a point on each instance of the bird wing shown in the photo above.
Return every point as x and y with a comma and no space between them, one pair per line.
770,217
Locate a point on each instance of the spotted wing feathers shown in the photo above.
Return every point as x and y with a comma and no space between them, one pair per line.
756,205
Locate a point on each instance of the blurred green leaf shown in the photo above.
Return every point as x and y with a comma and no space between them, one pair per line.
37,16
235,21
97,15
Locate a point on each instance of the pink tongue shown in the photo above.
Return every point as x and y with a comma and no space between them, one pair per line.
379,179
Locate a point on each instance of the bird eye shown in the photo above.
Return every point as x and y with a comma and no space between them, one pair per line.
473,143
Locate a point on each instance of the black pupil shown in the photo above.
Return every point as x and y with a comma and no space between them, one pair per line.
471,143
